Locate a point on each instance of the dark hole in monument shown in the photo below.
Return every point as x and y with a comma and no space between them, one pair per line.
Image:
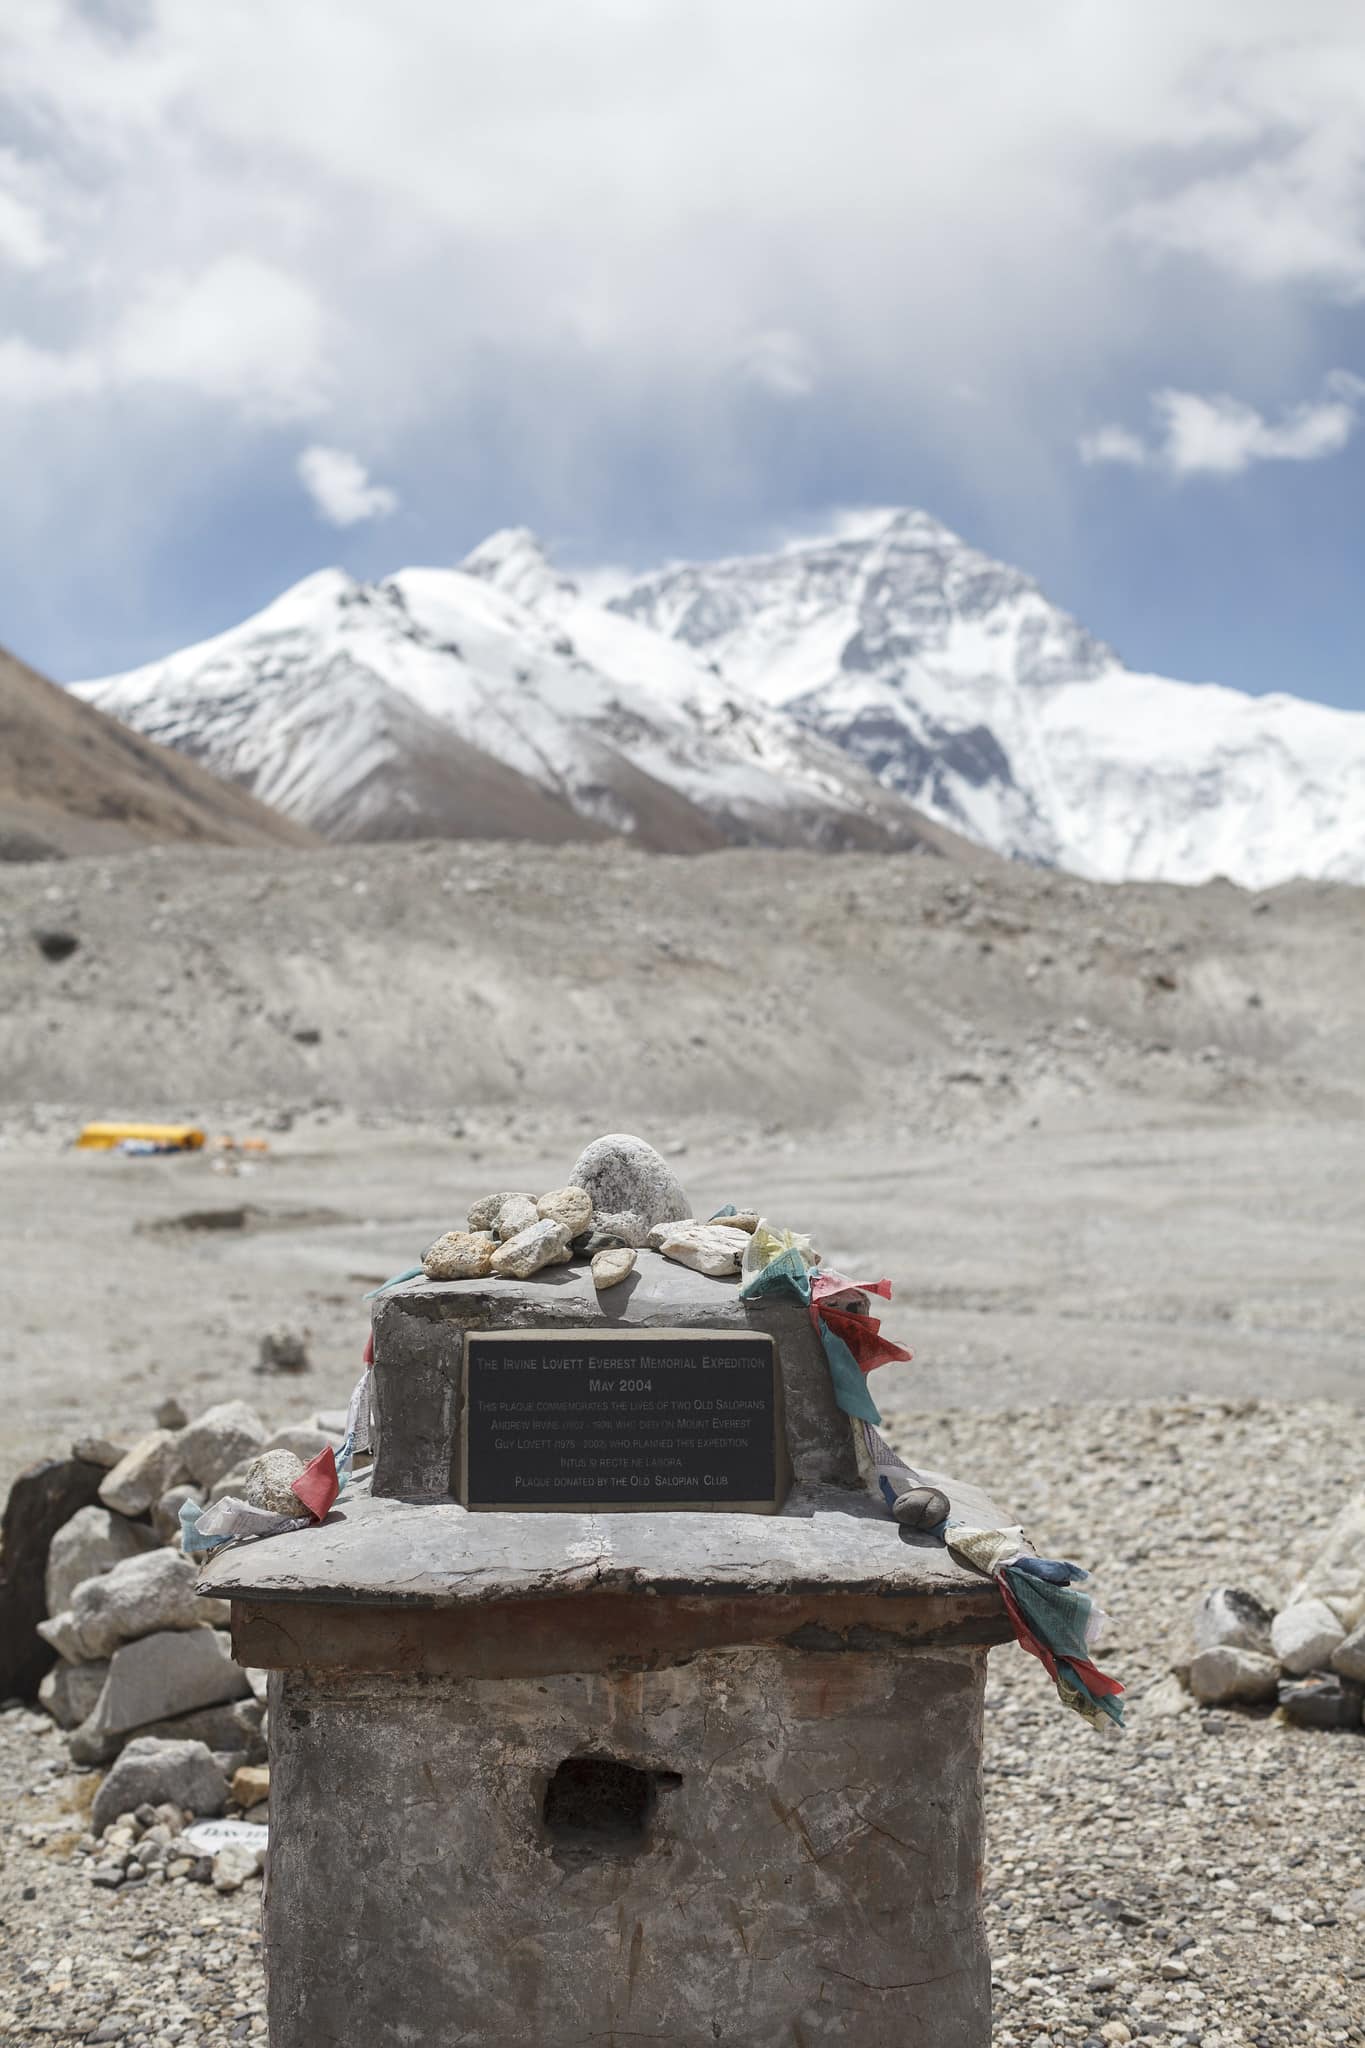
597,1805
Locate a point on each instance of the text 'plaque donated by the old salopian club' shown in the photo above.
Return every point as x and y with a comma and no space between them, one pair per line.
624,1419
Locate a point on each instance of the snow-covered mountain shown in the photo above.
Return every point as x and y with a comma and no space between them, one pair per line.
834,693
494,701
955,681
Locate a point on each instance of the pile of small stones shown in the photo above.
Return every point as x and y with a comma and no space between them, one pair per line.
1198,1882
621,1196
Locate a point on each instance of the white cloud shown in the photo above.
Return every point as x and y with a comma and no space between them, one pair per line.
339,485
1222,436
240,331
36,376
779,362
24,240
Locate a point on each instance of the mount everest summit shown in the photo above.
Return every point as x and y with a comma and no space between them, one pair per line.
889,687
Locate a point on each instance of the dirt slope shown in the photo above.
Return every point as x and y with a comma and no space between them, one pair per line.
73,780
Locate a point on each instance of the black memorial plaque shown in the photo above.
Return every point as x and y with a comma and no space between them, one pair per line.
626,1419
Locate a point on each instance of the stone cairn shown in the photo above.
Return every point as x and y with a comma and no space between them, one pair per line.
1307,1658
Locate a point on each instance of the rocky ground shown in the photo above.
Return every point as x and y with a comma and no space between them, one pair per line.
1198,1880
1105,1143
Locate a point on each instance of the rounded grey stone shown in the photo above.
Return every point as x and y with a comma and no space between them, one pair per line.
628,1180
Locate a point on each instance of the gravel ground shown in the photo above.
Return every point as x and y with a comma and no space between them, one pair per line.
1199,1880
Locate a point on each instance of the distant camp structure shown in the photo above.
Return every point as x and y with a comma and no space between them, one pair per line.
151,1137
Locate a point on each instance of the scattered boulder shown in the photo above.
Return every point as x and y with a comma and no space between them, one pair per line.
41,1500
486,1211
460,1255
517,1213
155,1679
137,1598
217,1440
1305,1636
540,1244
169,1414
610,1268
231,1729
631,1186
234,1864
283,1350
155,1462
1229,1618
570,1206
711,1248
1225,1673
150,1771
54,943
1337,1574
1323,1701
251,1785
1348,1660
1166,1699
267,1480
69,1691
92,1542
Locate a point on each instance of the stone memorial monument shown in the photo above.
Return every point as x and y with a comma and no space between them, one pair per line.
617,1708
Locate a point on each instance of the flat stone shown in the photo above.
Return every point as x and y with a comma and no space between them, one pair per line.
710,1248
1229,1618
151,1771
540,1244
1348,1660
92,1542
139,1597
99,1450
69,1691
570,1206
223,1436
234,1728
267,1481
1306,1636
1224,1674
631,1186
138,1481
1325,1700
610,1268
42,1499
460,1255
485,1212
517,1213
155,1679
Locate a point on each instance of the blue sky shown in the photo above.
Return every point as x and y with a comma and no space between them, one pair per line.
307,281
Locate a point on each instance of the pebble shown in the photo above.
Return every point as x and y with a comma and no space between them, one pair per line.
711,1248
517,1213
1225,1674
485,1212
610,1268
570,1206
1304,1636
460,1255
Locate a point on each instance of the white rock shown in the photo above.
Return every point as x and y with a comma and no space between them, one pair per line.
93,1541
1225,1673
1337,1574
223,1436
233,1865
267,1480
1304,1636
1228,1618
460,1255
517,1213
139,1480
570,1206
610,1268
1349,1660
137,1598
711,1248
541,1244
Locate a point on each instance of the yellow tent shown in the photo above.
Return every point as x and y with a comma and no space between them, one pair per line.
104,1137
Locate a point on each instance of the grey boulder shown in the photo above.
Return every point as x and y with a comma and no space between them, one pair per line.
69,1691
138,1481
223,1436
150,1772
91,1543
631,1186
1349,1660
155,1679
1306,1636
137,1598
1322,1701
540,1244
